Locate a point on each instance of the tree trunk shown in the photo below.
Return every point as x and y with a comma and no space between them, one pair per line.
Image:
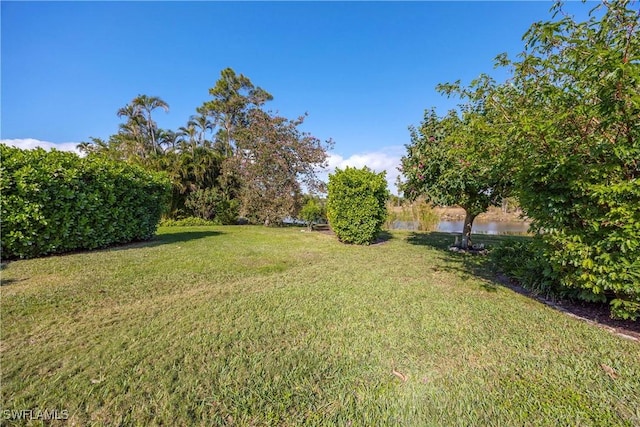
466,231
152,132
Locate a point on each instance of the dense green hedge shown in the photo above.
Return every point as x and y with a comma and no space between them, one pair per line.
56,202
356,205
190,221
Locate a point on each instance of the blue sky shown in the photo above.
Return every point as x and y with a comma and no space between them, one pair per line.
363,71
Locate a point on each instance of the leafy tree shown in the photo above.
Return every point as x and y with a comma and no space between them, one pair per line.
576,128
357,204
234,96
460,159
274,158
313,211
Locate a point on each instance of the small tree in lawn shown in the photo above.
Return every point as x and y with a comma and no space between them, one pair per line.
459,159
312,212
357,204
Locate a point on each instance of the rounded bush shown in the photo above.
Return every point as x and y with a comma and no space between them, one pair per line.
356,205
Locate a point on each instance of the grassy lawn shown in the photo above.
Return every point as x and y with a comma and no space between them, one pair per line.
256,326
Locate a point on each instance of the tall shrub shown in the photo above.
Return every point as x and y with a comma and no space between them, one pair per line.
56,202
211,205
356,205
576,130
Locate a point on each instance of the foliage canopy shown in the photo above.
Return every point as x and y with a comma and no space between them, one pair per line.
460,159
577,131
232,157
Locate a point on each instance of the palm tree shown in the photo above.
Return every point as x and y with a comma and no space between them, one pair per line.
204,125
190,132
145,105
129,111
134,143
134,129
96,145
168,138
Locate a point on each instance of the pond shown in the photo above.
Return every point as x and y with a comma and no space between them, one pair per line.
485,227
479,227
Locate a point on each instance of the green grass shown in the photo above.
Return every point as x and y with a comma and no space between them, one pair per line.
257,326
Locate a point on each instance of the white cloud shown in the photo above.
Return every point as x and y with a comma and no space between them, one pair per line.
386,159
30,143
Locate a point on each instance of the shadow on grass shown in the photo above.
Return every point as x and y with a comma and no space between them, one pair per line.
469,265
6,282
383,236
441,241
157,240
179,236
465,264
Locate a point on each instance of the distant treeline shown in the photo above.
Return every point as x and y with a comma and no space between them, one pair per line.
232,158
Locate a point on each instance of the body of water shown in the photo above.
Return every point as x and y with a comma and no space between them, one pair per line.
489,227
405,225
479,227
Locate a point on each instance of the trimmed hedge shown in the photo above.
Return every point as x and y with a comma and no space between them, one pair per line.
56,201
356,205
190,221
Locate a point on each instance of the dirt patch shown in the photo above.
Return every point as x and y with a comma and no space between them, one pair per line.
324,230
